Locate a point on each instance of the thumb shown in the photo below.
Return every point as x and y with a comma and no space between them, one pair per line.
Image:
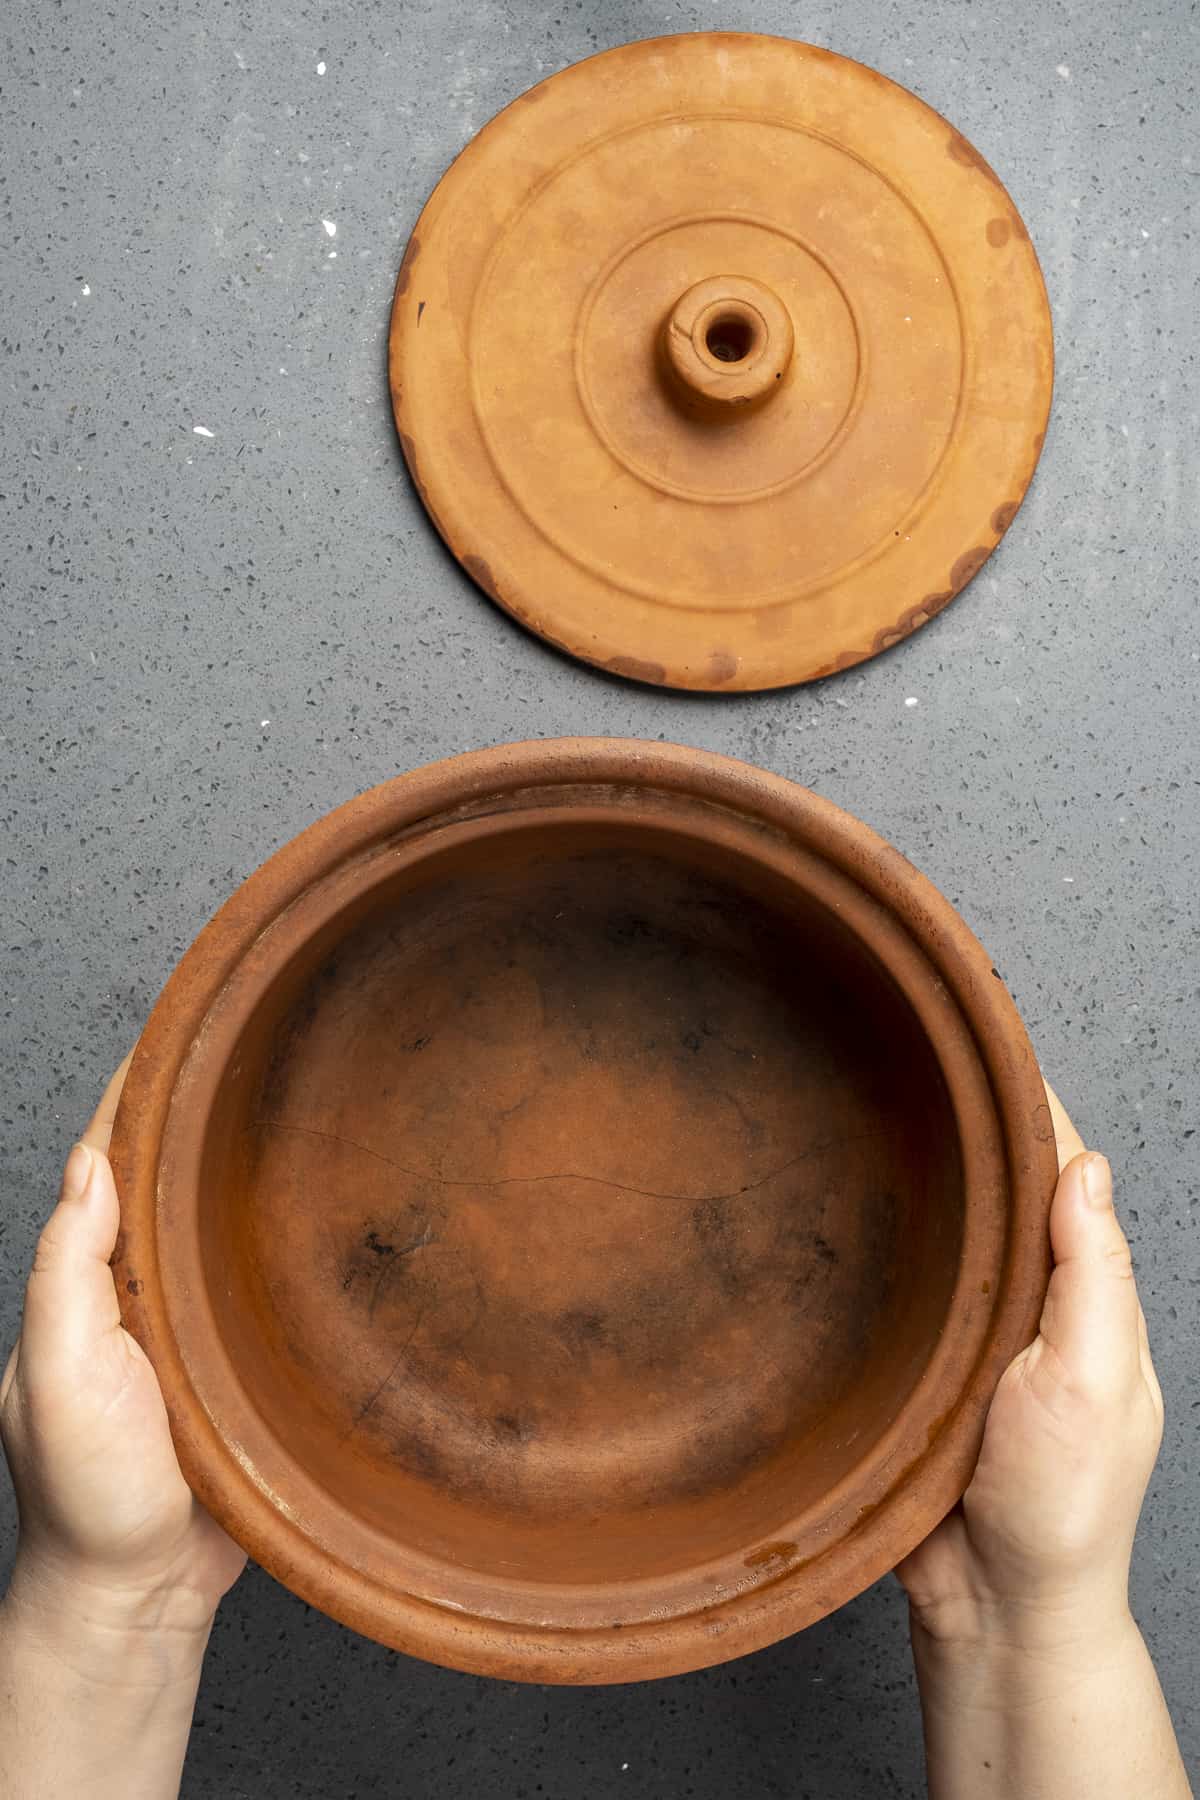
70,1299
1067,1140
1091,1314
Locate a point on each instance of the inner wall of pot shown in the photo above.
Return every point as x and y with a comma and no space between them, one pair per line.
582,1204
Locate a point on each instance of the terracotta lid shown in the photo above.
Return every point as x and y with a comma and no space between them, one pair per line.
721,361
579,1199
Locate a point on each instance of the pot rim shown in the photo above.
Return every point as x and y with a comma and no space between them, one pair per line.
172,1050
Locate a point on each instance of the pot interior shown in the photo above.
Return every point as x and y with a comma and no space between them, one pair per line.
581,1204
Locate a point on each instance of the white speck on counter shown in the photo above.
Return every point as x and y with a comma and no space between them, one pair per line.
320,68
263,723
332,255
1063,70
330,227
912,701
1069,879
85,289
203,431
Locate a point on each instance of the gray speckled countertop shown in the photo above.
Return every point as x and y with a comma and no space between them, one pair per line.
211,636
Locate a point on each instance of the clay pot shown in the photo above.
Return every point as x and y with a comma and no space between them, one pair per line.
579,1199
721,361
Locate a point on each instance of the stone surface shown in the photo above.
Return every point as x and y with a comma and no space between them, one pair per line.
211,636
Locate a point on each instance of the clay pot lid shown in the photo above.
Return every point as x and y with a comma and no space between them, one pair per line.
578,1200
721,361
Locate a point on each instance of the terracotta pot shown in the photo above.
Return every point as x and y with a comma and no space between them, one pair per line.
721,361
579,1199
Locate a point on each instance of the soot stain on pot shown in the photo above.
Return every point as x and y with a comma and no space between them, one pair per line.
584,1332
964,570
413,1414
390,1256
642,1335
416,1455
965,153
378,1247
480,572
718,1240
710,1462
635,668
628,931
968,566
491,1470
291,1034
410,457
377,1270
511,1429
404,274
534,929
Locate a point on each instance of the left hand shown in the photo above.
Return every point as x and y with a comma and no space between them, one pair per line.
1035,1558
110,1532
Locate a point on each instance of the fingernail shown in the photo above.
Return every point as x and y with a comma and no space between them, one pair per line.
77,1173
1097,1181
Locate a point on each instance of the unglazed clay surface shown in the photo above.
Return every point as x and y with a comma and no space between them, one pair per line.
721,361
578,1199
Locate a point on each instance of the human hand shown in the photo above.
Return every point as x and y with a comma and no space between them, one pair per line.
110,1534
1037,1553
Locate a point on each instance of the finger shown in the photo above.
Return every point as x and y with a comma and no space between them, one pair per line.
1091,1312
70,1299
99,1132
1066,1137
